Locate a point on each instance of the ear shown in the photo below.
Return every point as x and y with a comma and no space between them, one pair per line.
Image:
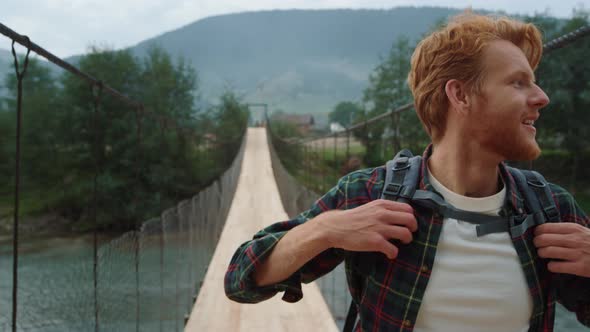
457,95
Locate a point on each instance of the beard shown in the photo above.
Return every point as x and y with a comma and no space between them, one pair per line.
513,144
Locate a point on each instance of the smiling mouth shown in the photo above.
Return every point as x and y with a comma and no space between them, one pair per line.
529,123
530,126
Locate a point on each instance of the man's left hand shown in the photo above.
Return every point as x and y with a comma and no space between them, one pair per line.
567,244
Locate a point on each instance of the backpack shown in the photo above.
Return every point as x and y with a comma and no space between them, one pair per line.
401,180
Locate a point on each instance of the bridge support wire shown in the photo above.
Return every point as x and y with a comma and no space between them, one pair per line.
20,75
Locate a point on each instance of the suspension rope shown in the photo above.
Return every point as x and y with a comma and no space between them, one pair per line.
566,39
97,97
23,40
19,76
138,117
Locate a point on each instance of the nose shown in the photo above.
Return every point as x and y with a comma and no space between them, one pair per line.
539,98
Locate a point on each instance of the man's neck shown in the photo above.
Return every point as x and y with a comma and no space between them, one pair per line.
464,168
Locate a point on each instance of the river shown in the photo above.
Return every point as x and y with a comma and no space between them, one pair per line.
56,286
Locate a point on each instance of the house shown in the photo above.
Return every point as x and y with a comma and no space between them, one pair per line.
336,127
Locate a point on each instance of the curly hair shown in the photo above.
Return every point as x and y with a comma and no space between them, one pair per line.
455,52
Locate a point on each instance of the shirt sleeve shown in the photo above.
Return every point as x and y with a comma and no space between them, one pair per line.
239,283
572,291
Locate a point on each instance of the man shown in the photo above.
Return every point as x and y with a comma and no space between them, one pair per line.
475,93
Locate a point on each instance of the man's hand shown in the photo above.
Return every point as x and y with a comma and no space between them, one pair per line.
369,227
568,244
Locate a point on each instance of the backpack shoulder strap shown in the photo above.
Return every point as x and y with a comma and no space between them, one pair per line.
350,317
401,178
537,198
540,186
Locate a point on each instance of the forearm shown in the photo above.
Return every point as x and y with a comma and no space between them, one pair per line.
300,245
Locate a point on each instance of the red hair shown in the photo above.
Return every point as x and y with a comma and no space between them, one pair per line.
455,52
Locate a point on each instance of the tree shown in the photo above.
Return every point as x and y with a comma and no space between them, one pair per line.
145,160
169,92
231,121
387,91
344,113
39,147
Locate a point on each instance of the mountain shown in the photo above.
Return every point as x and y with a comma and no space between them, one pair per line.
298,61
301,61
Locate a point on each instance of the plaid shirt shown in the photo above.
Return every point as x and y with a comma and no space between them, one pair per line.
388,293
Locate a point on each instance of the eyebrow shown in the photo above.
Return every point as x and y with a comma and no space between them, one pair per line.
524,73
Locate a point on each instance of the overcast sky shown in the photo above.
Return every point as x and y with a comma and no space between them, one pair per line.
68,27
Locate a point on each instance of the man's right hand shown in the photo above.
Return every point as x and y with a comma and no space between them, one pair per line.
369,227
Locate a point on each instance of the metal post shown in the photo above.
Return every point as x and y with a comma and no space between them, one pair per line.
20,76
96,92
335,150
323,164
395,122
347,144
162,273
305,163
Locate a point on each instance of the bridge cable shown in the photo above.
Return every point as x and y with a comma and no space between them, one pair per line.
97,90
139,111
566,39
19,76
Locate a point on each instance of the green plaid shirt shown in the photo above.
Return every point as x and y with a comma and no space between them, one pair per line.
389,293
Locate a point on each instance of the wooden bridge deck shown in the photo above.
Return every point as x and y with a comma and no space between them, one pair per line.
255,205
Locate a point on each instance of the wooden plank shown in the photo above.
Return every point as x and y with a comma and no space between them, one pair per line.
256,204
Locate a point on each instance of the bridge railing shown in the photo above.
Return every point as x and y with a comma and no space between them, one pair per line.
82,173
306,168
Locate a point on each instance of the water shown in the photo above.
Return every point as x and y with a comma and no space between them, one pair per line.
56,286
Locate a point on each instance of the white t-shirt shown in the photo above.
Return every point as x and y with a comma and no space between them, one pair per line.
477,283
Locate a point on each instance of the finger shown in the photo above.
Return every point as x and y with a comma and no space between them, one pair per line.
559,253
566,267
399,218
395,206
558,228
388,249
396,232
556,240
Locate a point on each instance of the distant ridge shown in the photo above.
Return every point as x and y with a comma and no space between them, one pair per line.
297,60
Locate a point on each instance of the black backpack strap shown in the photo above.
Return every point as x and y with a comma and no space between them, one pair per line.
401,180
485,224
540,186
350,317
537,198
401,177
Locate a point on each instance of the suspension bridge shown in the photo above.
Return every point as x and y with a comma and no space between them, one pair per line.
167,274
256,204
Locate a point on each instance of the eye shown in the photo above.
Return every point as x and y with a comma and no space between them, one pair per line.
518,83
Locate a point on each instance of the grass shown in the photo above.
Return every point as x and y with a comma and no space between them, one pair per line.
32,201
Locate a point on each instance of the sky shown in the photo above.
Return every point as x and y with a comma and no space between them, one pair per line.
69,27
